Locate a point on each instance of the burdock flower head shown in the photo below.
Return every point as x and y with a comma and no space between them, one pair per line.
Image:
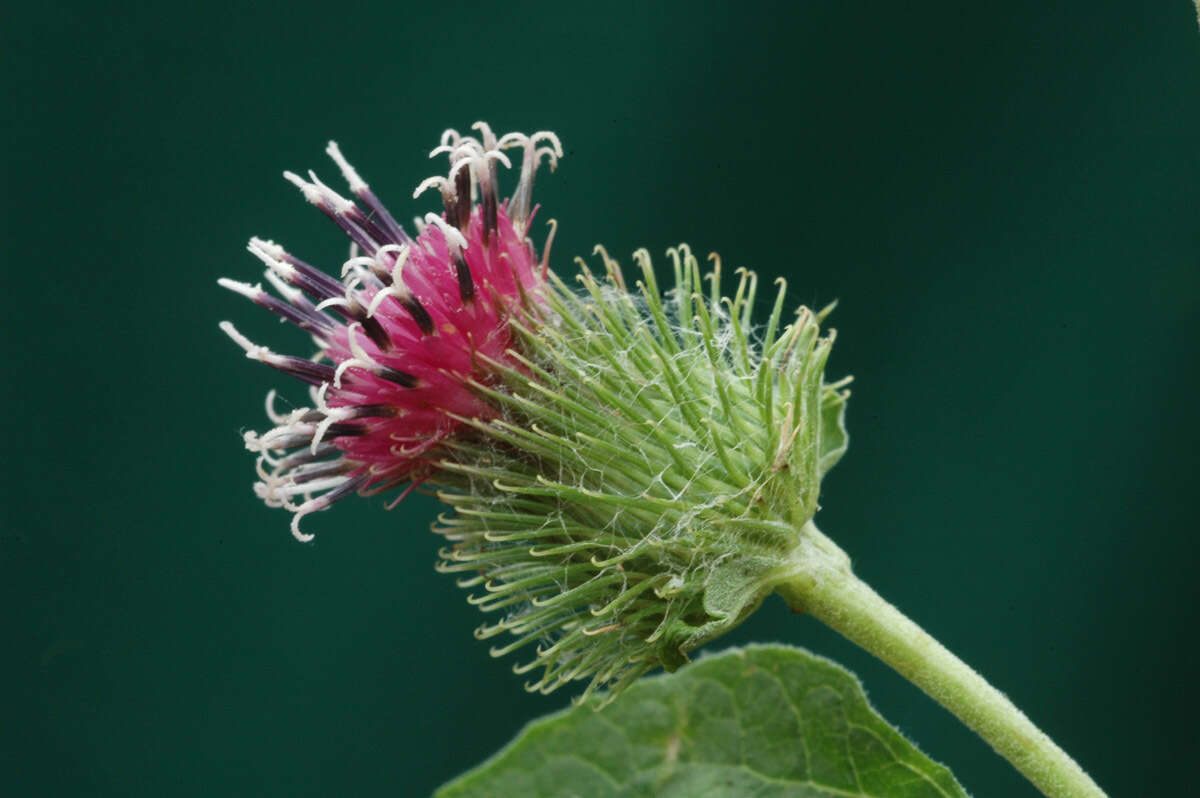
402,333
630,472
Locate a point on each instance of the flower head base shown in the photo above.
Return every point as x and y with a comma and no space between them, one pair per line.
401,334
655,464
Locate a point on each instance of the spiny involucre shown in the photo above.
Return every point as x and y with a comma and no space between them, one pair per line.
628,470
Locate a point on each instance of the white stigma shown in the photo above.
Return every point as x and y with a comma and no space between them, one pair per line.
270,247
251,292
356,348
362,359
356,264
357,184
437,181
273,414
310,506
451,232
311,192
397,288
340,204
334,302
253,351
272,254
293,295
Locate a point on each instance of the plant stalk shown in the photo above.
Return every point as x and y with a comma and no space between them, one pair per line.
819,582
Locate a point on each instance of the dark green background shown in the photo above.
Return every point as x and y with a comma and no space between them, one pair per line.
1005,198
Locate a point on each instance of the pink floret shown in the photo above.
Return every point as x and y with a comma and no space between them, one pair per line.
504,273
412,323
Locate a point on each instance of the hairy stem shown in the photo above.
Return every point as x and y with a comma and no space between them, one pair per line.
819,582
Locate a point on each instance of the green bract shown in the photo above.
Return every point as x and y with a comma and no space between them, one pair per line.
655,463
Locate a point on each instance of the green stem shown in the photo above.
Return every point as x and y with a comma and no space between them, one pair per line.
818,581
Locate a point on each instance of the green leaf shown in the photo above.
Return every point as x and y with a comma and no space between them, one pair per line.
764,721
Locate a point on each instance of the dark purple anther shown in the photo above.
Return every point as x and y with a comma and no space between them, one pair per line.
345,489
375,411
374,330
381,273
371,201
462,193
328,469
306,455
449,207
301,369
305,318
401,378
466,285
419,314
345,430
325,205
368,226
488,202
312,280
